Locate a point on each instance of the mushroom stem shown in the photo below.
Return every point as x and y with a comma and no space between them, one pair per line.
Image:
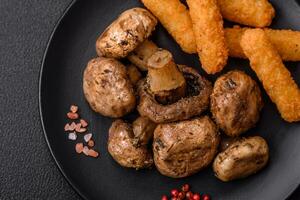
142,53
166,82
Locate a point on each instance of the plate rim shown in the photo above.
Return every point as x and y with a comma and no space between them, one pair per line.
57,163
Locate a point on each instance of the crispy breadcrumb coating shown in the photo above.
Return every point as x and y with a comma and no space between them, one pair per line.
256,13
276,79
174,16
286,42
209,34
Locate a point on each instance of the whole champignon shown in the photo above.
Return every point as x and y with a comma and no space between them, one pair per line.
121,147
183,148
107,87
196,100
130,29
242,158
236,103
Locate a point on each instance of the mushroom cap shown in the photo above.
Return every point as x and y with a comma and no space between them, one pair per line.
128,31
107,87
195,102
183,148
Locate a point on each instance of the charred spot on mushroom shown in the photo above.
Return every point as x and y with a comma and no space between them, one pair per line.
193,86
230,84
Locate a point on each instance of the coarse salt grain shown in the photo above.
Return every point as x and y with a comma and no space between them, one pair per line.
86,150
73,108
88,137
67,127
93,153
83,123
79,147
72,136
72,126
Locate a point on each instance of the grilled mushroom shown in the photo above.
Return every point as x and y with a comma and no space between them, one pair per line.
121,147
126,33
195,101
183,148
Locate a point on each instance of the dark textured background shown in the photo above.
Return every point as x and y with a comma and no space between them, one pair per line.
27,170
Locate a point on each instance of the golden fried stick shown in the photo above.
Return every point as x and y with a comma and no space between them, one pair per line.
276,79
174,16
209,34
256,13
287,42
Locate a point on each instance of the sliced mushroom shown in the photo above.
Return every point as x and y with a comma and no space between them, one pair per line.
107,87
121,147
130,29
195,101
184,148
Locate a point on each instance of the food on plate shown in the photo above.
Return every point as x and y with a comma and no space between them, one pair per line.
275,77
196,100
143,129
78,128
241,159
209,34
128,31
257,13
174,16
107,87
185,192
121,147
166,82
142,53
134,74
286,42
236,102
183,148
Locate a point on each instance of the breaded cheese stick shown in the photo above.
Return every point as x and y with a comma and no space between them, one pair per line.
174,16
276,79
286,42
209,34
256,13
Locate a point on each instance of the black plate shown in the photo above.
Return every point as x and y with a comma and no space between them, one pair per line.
72,45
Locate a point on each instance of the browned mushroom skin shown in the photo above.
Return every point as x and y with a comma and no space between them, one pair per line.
183,148
130,29
236,103
122,149
107,87
242,158
143,129
134,74
196,101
